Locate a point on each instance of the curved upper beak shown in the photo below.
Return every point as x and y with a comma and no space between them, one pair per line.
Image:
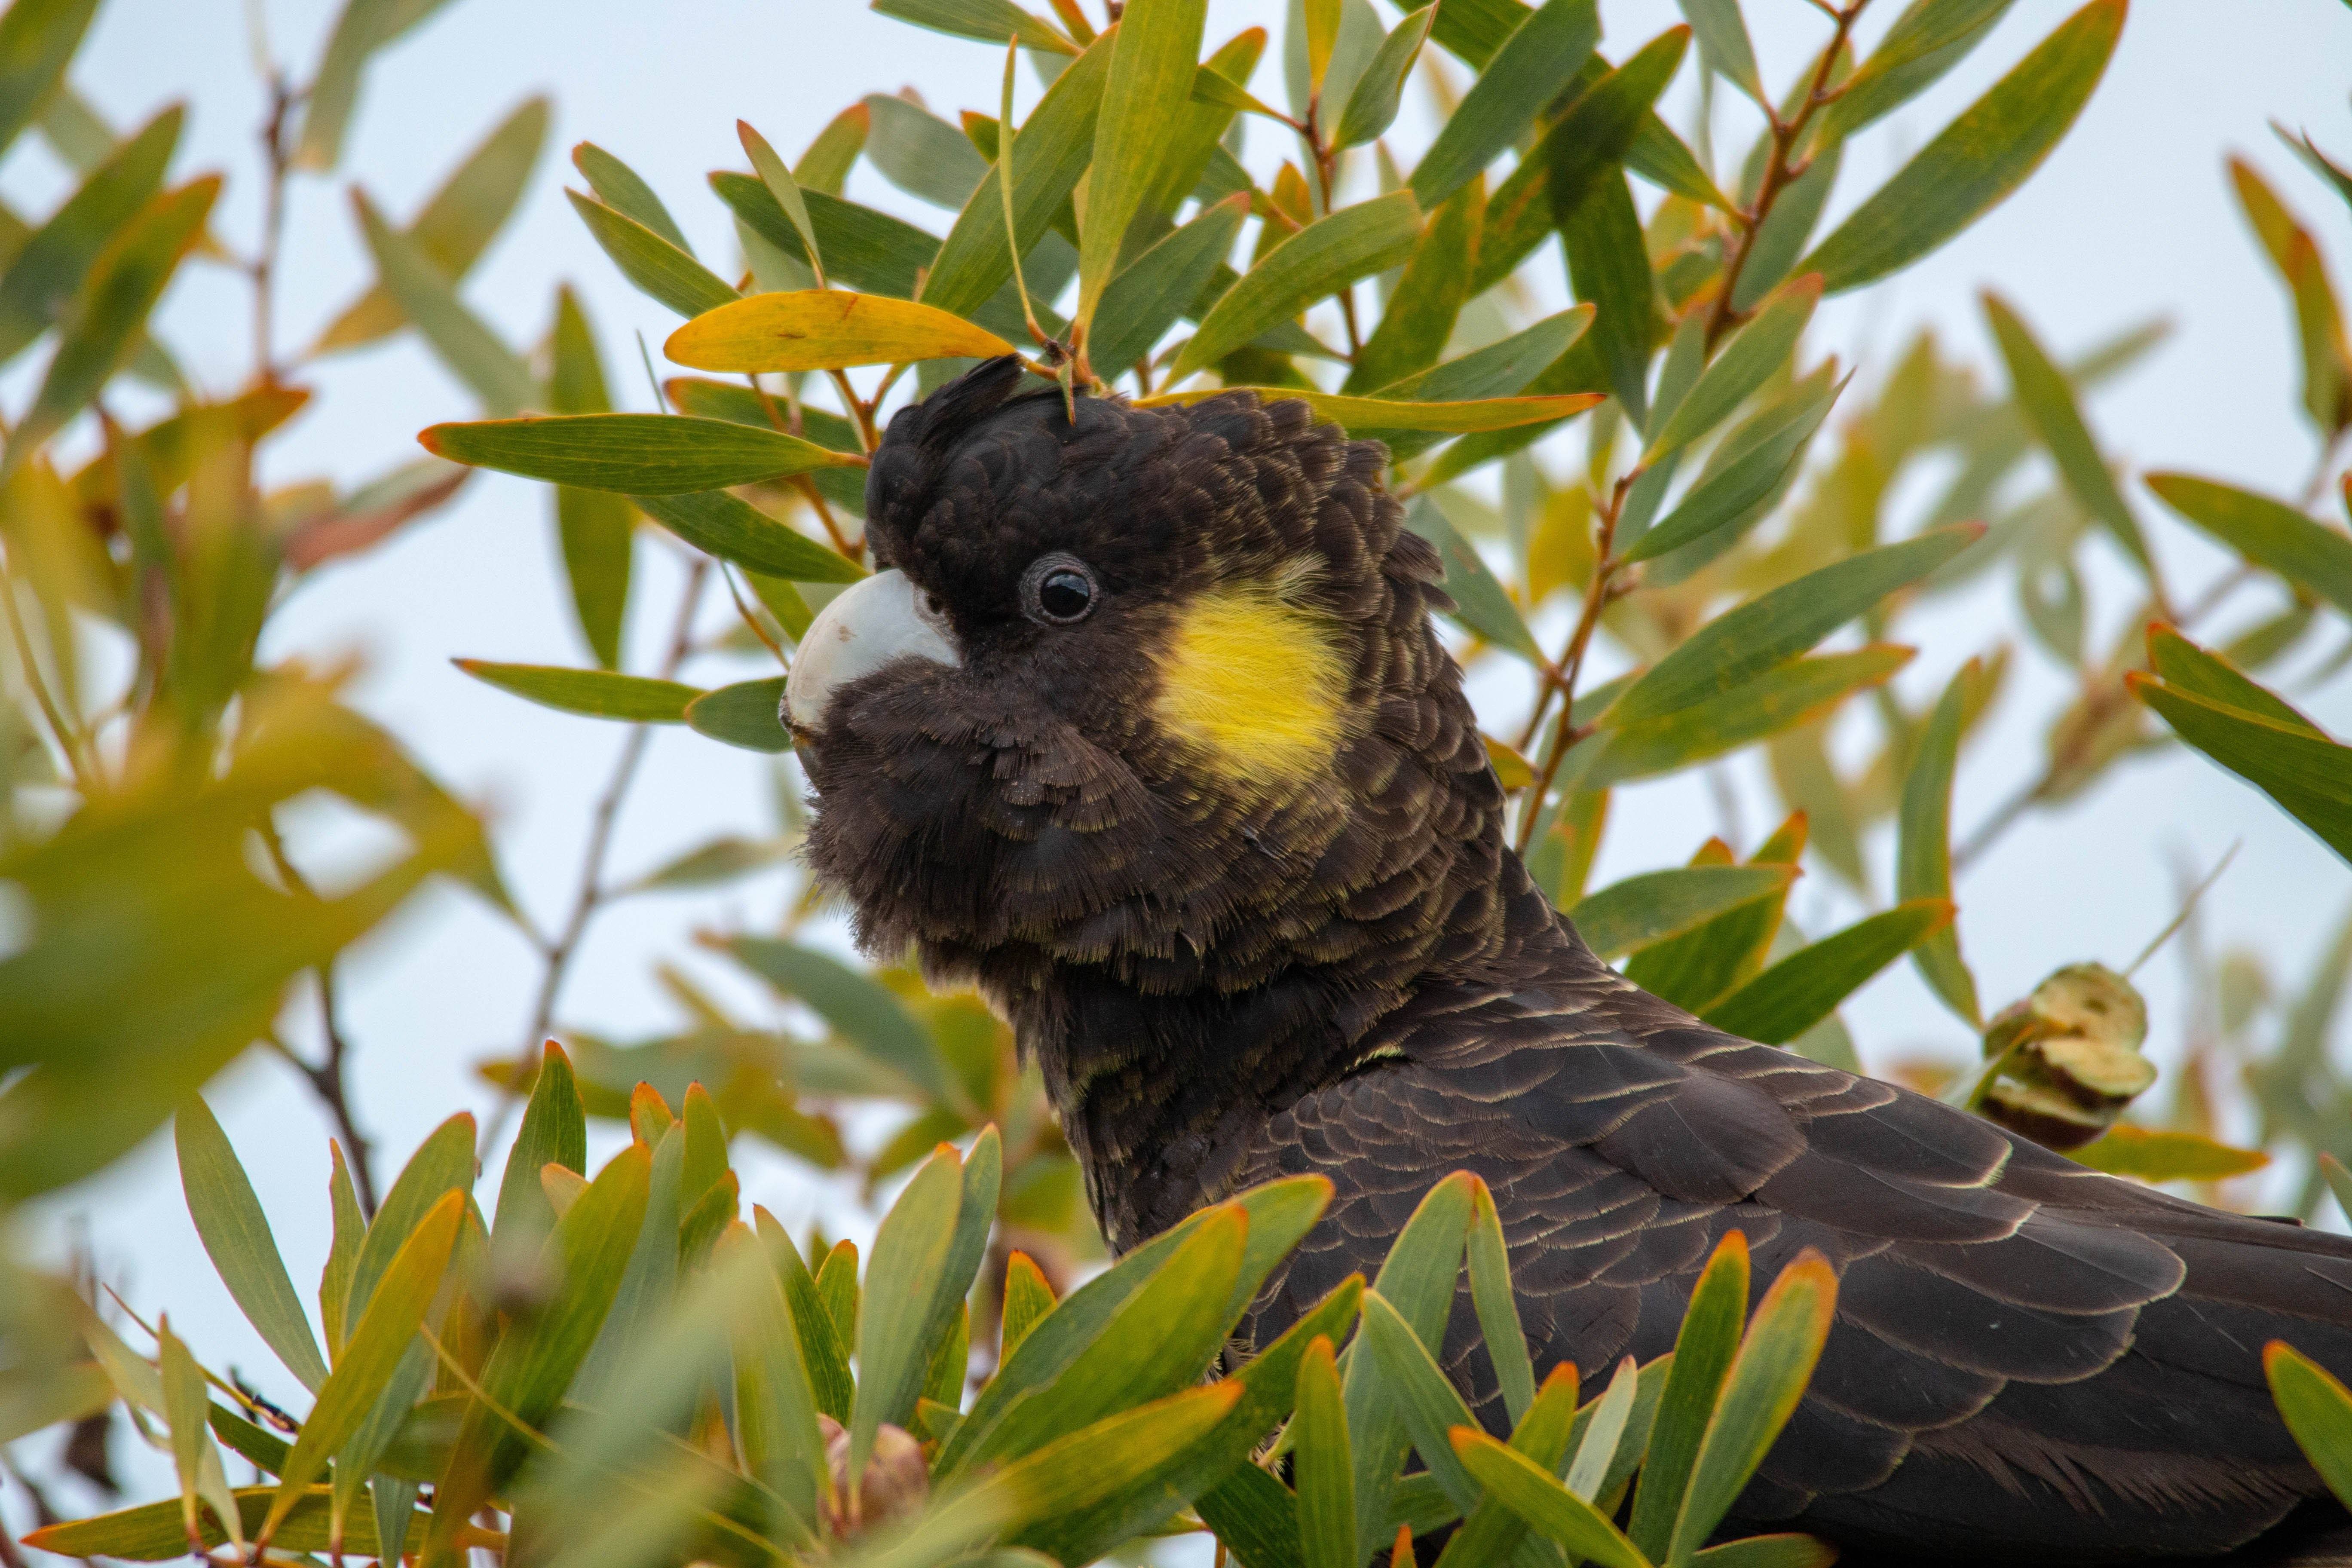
868,625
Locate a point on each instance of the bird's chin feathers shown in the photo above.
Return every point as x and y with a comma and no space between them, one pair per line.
1257,758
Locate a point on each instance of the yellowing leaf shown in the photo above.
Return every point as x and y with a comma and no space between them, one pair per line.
826,329
1364,413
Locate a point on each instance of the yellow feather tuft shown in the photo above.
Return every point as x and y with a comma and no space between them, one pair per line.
1255,683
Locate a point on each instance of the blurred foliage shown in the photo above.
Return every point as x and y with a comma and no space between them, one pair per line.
1662,477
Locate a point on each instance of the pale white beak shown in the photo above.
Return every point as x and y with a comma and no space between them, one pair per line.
868,625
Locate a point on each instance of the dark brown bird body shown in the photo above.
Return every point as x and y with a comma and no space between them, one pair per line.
1243,948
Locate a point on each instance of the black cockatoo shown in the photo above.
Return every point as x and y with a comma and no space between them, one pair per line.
1143,728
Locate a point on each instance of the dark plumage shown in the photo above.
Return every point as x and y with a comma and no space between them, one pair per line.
1232,975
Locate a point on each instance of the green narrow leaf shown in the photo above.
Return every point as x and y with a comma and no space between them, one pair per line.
37,41
1927,40
1321,1466
363,27
865,1013
2049,404
1703,1347
1753,354
778,179
1417,1279
1153,57
1923,866
1746,467
1155,290
776,1409
1805,988
660,269
1027,1298
2339,1182
1372,103
1497,1305
744,714
444,1162
237,1238
1742,644
822,1352
1520,78
1421,310
1418,1390
52,261
343,1253
194,1456
1481,602
554,1131
1519,1484
2318,318
110,308
636,454
2154,1156
920,154
732,529
470,349
2317,1409
2269,533
1604,1433
373,1352
2308,775
864,249
1974,164
991,21
1706,963
1766,1379
1054,149
1159,1340
593,693
1608,268
457,225
1317,261
1786,227
1652,906
619,187
1786,696
595,528
1723,40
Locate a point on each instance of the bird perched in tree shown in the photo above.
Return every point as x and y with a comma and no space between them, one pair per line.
1144,729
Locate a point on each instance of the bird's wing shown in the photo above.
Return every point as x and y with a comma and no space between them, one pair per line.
2026,1352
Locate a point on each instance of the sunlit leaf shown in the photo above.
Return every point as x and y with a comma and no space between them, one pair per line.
1418,1390
1748,467
2318,1409
1786,695
823,329
1497,1307
625,191
1529,1490
1974,162
658,268
1321,1468
1758,349
1428,296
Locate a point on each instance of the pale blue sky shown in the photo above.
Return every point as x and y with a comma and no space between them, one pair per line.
2129,218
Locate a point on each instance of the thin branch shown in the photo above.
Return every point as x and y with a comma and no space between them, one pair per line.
277,159
1597,595
326,1079
592,892
1779,172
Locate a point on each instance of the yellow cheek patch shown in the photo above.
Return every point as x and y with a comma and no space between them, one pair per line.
1255,682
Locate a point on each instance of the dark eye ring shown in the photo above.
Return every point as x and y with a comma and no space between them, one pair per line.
1058,590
